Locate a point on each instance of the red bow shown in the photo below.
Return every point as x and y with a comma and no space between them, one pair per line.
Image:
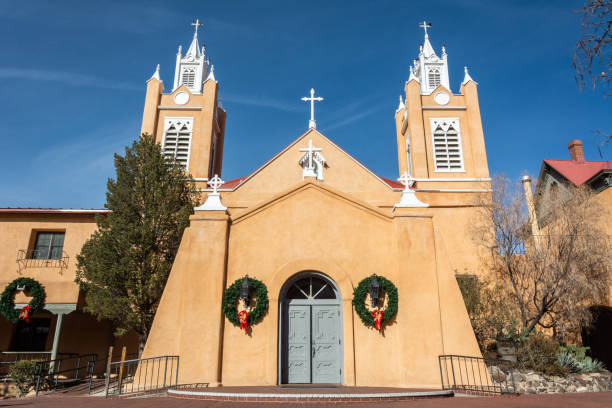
243,316
25,313
378,316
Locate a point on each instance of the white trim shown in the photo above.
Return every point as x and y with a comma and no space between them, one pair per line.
179,107
313,396
439,107
199,178
172,120
452,179
445,124
55,308
453,190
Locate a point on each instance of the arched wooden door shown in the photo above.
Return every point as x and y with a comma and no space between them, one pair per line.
311,348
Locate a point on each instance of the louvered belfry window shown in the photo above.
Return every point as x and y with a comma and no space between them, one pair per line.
188,77
177,139
448,154
434,78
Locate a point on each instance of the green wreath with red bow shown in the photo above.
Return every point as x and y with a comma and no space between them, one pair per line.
245,318
7,303
378,317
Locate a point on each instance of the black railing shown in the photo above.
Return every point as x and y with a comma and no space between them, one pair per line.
62,372
9,358
142,375
476,375
36,258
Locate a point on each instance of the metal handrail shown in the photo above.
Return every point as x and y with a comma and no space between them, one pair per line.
141,375
9,358
471,375
49,371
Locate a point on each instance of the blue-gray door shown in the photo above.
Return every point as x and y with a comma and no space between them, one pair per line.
311,333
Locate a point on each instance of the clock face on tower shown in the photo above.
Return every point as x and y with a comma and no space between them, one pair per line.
441,98
181,98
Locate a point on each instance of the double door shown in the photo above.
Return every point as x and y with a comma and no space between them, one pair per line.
313,344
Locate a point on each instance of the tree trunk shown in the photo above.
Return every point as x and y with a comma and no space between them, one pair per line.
142,341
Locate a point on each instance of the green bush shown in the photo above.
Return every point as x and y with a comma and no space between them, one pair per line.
539,353
574,358
22,372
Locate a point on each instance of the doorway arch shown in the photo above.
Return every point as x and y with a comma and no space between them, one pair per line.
311,347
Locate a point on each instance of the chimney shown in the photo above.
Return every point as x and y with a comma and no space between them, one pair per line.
575,148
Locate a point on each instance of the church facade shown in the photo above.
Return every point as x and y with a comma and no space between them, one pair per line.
310,225
313,222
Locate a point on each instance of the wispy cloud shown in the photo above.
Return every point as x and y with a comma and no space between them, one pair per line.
66,78
355,111
262,102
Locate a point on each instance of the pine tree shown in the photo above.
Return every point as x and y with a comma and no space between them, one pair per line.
124,266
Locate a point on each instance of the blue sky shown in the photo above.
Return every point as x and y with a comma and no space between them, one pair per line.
73,77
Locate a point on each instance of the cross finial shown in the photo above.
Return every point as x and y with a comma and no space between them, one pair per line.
406,180
425,25
215,183
197,24
312,123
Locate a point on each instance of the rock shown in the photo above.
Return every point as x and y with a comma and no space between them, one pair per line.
497,375
516,377
582,389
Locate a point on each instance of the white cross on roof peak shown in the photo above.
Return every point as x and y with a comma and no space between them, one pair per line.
312,124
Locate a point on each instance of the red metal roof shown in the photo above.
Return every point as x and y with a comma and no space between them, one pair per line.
53,211
579,172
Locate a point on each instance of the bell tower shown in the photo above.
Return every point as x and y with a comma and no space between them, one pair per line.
440,140
188,122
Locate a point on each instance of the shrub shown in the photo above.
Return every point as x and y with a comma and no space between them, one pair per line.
22,372
539,353
574,358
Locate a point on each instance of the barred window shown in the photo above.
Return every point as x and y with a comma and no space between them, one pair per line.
434,78
188,77
448,154
177,140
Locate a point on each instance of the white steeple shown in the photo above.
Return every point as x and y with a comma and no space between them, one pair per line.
401,104
193,67
466,78
156,74
430,70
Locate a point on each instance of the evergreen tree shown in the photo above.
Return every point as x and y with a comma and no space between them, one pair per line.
124,266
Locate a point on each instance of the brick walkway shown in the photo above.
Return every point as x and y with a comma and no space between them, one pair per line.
583,400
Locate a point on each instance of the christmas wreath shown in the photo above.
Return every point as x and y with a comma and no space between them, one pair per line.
376,317
245,317
7,304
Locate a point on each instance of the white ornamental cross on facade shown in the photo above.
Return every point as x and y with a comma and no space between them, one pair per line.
215,183
312,124
312,162
406,180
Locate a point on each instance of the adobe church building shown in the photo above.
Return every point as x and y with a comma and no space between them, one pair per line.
309,224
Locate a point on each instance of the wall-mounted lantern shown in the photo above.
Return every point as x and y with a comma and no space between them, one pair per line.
245,291
374,290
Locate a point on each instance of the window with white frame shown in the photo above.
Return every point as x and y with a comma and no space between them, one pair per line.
446,136
434,77
188,77
177,140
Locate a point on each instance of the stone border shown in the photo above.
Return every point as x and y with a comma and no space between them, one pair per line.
305,397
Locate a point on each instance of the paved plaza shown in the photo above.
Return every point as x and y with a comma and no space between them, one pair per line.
584,400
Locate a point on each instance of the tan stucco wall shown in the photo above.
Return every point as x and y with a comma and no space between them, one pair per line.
314,227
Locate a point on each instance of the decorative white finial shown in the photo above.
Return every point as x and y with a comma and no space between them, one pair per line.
443,51
467,78
401,104
312,124
409,198
425,25
213,201
211,74
197,24
312,162
155,74
180,50
412,75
